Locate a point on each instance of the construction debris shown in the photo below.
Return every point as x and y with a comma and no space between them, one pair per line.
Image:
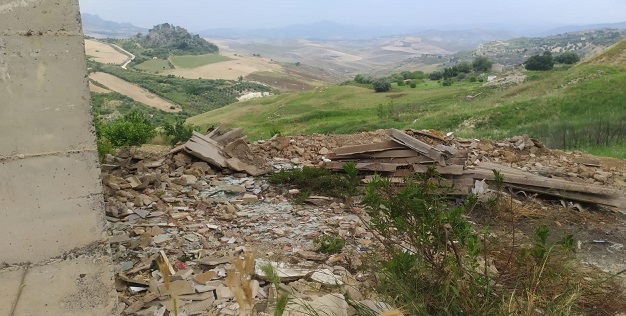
228,150
406,155
200,211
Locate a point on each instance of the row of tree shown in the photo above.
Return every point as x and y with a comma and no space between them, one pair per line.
412,78
546,61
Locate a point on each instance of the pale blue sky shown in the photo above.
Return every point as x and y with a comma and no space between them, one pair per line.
209,14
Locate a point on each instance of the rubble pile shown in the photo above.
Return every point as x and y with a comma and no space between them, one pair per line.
519,152
405,155
199,219
201,210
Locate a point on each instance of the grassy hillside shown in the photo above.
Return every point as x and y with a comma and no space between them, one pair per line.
578,107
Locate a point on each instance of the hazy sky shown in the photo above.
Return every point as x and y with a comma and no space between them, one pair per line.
208,14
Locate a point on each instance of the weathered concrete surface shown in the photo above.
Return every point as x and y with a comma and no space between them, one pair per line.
55,257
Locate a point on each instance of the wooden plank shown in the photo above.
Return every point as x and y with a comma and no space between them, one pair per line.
213,132
409,160
447,150
418,145
374,166
515,176
230,136
395,153
427,134
447,170
203,138
368,148
456,161
618,202
207,153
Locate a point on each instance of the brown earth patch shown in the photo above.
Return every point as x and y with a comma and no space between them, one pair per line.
134,92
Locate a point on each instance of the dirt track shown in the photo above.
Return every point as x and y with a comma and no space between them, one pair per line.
134,92
104,53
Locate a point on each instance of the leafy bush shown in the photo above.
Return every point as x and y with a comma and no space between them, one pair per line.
178,132
540,62
434,262
436,75
567,58
426,241
381,85
133,129
482,64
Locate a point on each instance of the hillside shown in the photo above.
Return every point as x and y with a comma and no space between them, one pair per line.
516,51
564,108
165,39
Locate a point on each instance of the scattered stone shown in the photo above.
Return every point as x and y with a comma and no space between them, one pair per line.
249,198
313,256
326,277
223,292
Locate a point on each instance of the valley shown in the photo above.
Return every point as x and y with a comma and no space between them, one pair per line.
474,164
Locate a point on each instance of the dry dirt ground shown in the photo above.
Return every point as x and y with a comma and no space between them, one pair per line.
94,88
104,53
229,70
134,92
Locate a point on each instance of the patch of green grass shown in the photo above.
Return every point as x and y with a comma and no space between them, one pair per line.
314,180
194,61
329,244
154,65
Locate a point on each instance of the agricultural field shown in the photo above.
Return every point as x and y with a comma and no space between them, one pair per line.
97,88
195,61
104,53
154,65
134,92
232,69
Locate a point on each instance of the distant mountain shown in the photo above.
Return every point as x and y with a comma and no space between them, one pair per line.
95,26
578,28
516,51
326,30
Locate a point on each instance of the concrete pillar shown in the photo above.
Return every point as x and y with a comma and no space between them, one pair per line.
54,255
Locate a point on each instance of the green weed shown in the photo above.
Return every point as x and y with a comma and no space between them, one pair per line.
318,181
329,244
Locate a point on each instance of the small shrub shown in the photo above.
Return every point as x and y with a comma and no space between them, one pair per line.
381,85
178,132
133,129
472,79
329,244
447,82
413,84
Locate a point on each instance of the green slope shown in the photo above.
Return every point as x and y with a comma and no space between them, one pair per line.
582,107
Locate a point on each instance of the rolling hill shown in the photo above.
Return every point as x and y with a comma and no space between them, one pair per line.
569,107
97,27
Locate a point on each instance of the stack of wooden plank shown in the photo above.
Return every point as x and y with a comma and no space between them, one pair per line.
228,150
404,155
